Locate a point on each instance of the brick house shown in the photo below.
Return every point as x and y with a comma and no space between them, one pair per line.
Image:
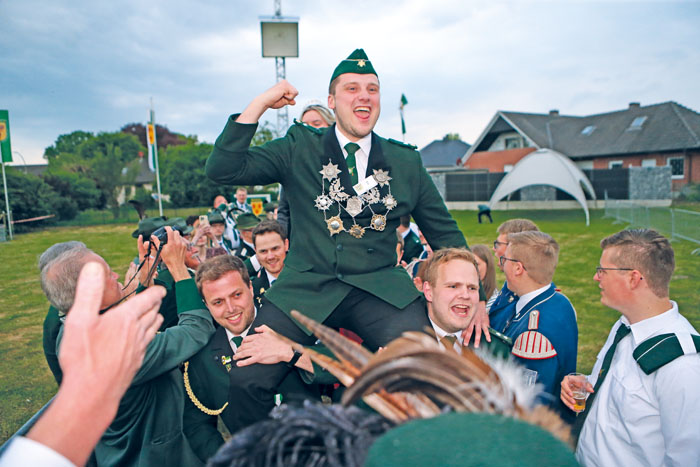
665,134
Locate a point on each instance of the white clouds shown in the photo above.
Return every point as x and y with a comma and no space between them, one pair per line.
94,65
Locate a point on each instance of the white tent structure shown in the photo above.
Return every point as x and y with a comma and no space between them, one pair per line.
546,167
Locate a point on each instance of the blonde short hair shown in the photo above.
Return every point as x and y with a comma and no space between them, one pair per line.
517,225
538,252
445,256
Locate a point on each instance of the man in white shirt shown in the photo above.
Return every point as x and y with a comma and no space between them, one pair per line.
271,247
451,289
644,399
241,197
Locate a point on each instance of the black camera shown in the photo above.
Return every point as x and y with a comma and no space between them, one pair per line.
162,235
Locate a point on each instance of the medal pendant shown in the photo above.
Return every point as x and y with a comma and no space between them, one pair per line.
356,231
378,222
354,206
335,225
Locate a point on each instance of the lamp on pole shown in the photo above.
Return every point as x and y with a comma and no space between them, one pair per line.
280,39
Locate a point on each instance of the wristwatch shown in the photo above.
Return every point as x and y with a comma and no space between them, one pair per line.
295,359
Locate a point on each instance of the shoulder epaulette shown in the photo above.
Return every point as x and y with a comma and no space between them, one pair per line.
657,351
401,143
193,398
318,131
533,345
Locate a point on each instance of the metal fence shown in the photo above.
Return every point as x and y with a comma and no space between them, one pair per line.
678,224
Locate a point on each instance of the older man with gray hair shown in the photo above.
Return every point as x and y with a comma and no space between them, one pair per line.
147,429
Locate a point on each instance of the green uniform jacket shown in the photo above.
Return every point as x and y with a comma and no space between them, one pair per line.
260,285
321,269
208,376
52,325
147,430
412,247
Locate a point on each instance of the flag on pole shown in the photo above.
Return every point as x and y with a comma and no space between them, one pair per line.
5,146
151,140
403,102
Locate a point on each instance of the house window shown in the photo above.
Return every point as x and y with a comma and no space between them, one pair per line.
648,162
588,130
513,142
637,123
677,165
615,165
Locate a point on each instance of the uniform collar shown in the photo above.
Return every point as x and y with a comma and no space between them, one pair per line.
365,143
528,297
440,333
270,277
649,327
231,335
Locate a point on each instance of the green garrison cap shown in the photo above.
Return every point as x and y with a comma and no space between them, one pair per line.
215,217
247,221
147,226
357,62
469,439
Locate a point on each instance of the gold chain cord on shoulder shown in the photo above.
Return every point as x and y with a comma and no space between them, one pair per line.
194,399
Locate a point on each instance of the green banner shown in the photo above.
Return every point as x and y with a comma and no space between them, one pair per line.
5,146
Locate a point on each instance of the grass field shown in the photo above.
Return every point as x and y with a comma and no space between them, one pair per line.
27,383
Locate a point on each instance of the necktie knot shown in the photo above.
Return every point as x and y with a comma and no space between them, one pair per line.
237,340
448,341
352,148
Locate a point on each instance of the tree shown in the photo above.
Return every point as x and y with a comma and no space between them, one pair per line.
75,186
67,144
451,137
30,197
164,137
183,178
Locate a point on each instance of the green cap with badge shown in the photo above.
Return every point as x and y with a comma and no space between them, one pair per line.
147,226
357,62
247,221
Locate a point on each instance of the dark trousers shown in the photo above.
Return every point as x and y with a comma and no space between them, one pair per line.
252,388
487,214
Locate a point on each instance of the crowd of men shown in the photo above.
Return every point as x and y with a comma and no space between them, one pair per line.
343,251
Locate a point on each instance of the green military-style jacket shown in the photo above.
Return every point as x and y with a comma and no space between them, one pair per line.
147,430
412,247
208,378
321,269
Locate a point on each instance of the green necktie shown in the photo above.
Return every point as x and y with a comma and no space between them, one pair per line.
448,341
237,340
352,148
622,331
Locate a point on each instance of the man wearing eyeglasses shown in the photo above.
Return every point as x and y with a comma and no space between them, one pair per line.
644,399
542,324
497,307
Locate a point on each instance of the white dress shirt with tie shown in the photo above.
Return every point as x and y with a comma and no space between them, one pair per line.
644,420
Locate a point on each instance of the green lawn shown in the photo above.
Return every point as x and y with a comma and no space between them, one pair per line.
27,383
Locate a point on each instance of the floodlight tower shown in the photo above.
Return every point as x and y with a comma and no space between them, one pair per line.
280,39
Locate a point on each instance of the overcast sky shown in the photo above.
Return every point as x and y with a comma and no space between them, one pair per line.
93,65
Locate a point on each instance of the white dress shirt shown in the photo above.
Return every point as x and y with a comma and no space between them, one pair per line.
440,333
25,451
644,420
231,335
362,154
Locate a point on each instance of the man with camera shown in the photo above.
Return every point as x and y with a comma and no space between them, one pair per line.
147,429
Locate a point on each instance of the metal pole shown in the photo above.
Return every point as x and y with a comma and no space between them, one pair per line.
155,157
281,73
7,203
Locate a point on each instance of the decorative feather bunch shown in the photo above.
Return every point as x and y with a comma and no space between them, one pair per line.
415,377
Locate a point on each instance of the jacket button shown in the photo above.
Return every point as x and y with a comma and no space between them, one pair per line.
339,247
339,276
370,250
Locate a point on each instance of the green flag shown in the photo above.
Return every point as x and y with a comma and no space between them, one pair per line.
5,147
404,101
